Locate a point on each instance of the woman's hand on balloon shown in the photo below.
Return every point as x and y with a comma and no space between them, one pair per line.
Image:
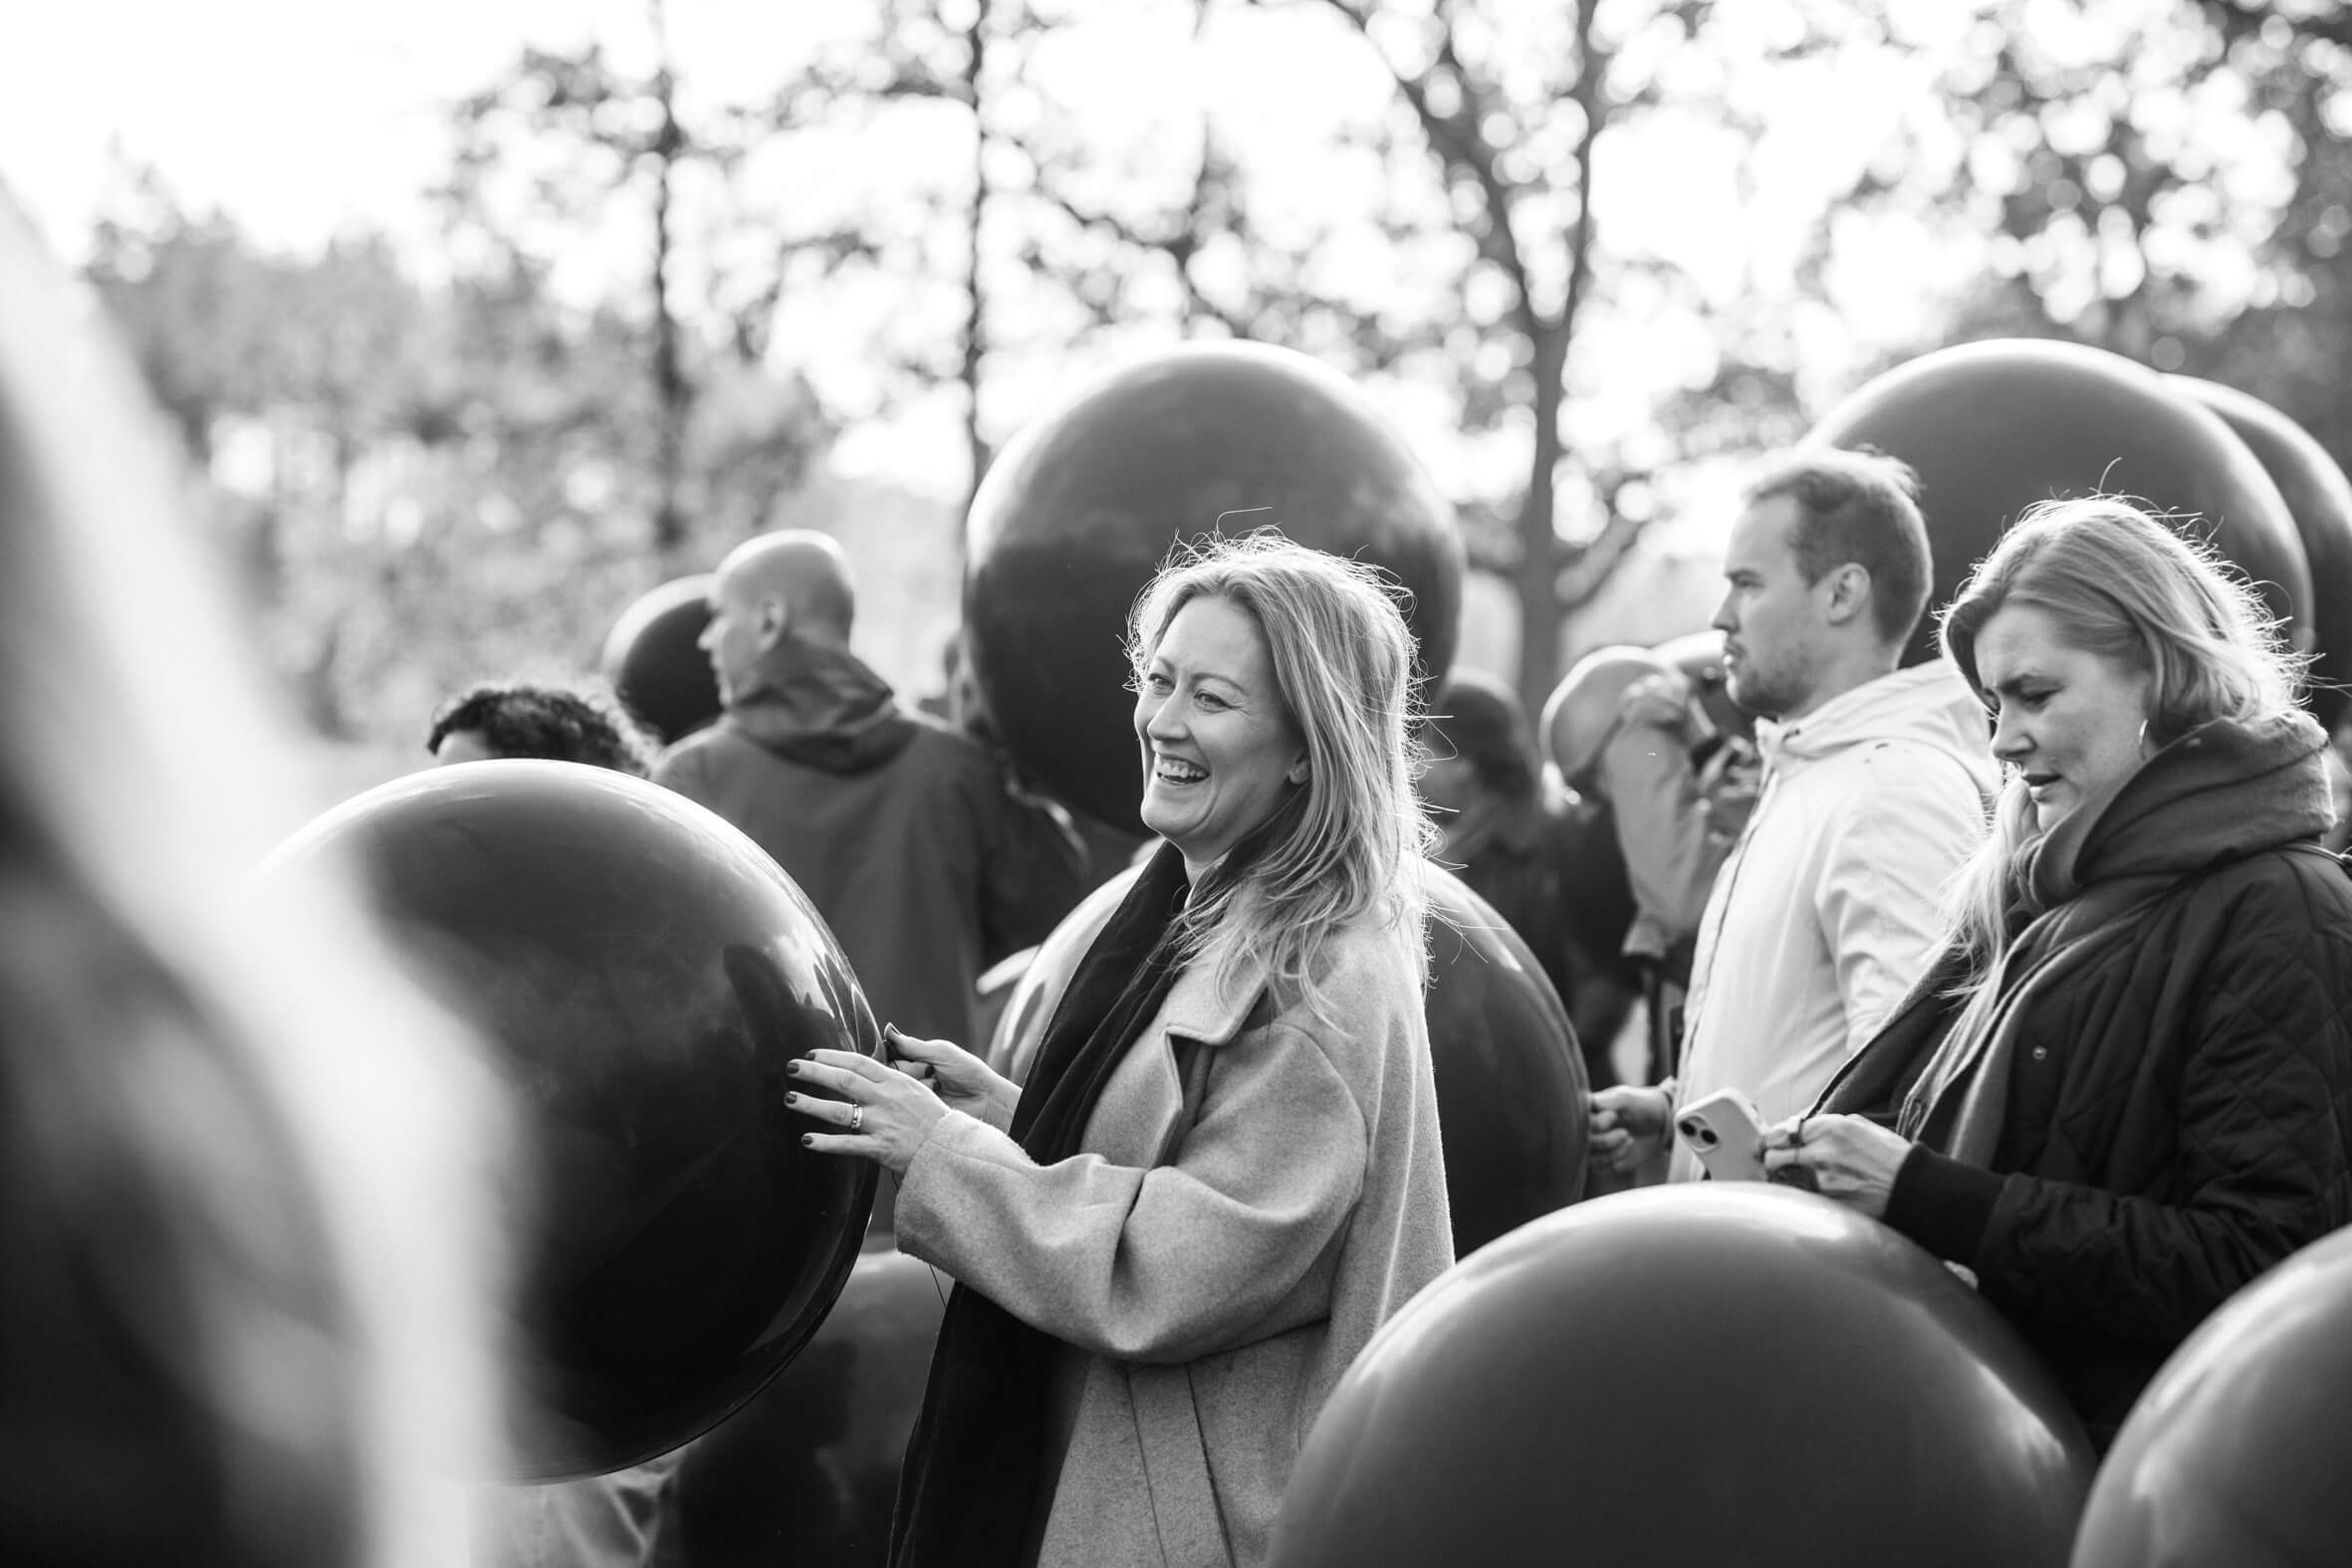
960,1078
1849,1158
878,1113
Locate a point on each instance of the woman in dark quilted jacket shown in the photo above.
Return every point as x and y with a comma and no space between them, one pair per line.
2122,1089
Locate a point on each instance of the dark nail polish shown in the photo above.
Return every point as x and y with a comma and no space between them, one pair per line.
808,1140
792,1099
792,1069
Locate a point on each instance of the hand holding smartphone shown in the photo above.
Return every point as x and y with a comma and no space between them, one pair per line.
1726,1132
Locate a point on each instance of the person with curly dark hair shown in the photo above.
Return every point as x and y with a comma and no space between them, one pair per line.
556,723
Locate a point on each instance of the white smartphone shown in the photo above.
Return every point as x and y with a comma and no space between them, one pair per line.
1726,1132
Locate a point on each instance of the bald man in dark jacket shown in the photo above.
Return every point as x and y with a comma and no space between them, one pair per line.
901,830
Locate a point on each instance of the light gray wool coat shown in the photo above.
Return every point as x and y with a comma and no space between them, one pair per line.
1218,1257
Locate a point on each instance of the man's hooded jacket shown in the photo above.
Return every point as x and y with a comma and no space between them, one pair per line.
900,829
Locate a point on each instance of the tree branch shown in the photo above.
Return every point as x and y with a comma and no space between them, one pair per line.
1462,149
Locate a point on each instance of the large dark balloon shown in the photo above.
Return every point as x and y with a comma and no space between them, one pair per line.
655,663
2233,1458
1080,508
1993,427
1512,1088
2319,497
1703,1373
641,972
807,1471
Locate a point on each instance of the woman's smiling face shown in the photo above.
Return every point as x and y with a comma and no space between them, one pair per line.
2068,720
1220,751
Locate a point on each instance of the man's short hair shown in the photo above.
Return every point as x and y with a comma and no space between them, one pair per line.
1859,507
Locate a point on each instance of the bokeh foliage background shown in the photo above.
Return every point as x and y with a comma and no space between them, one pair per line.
1587,253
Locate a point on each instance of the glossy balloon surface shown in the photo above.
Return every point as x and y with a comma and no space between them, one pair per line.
1702,1373
641,973
1512,1088
1993,427
2319,497
2235,1455
656,664
1078,512
807,1470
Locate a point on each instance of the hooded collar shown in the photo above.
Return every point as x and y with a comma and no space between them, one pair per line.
1928,703
821,705
2224,790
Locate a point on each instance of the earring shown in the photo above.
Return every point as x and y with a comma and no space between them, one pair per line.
2143,737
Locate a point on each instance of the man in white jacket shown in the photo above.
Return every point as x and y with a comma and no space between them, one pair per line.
1877,783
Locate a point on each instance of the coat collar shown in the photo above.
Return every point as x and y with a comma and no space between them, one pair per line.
1200,1009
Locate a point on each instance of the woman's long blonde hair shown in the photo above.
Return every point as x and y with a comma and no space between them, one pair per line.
2120,585
1349,841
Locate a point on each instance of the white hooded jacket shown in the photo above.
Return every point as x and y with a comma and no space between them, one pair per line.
1828,908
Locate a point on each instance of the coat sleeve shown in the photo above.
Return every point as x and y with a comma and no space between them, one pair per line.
2261,1155
1915,818
1662,829
1232,1241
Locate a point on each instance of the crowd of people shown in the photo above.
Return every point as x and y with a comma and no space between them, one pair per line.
2034,951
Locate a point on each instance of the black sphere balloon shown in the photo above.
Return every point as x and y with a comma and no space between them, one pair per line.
1512,1088
807,1470
1705,1373
641,973
656,664
2233,1458
1080,508
2319,497
1993,427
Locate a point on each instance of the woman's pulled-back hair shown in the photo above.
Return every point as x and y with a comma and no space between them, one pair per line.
251,1268
1348,842
2122,585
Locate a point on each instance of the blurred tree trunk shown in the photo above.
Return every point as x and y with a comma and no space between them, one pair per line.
1454,105
672,394
975,445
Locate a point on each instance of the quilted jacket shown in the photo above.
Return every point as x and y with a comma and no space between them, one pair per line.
2179,1112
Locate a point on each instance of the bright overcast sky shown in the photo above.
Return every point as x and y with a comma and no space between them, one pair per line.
295,117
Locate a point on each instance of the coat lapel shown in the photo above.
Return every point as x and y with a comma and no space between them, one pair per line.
1155,1094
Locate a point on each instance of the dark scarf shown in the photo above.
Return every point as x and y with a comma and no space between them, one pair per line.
972,1471
2226,790
820,705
